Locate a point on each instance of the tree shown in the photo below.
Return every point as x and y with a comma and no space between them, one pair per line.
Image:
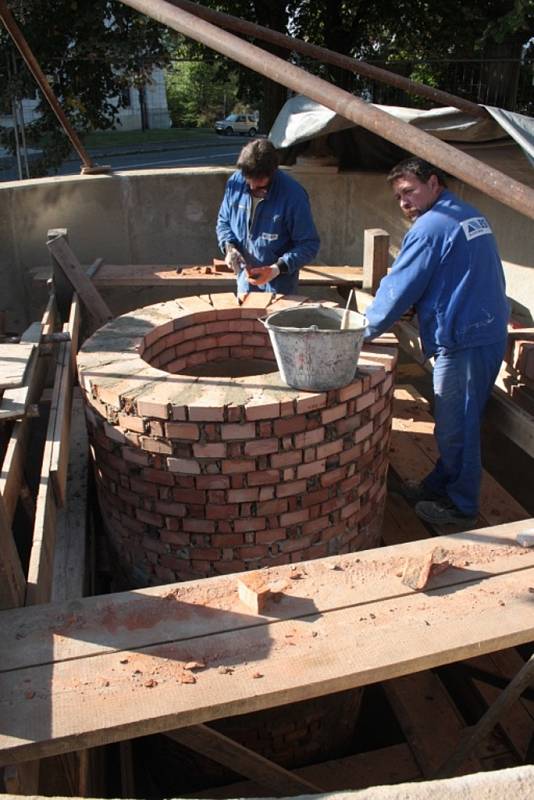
199,92
89,52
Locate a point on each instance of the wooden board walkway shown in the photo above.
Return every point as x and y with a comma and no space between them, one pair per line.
115,667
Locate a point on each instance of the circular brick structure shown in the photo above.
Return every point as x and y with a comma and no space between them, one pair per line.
202,471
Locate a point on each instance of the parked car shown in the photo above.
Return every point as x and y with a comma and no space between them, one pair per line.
237,124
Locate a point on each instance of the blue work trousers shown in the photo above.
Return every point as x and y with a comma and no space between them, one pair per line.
463,380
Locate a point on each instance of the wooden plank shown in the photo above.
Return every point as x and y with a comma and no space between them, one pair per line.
12,580
389,765
490,552
69,578
12,473
59,451
337,640
40,568
15,402
14,360
419,701
223,750
73,270
375,258
110,275
113,702
517,724
413,453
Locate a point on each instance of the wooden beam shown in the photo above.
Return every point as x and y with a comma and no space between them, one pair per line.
12,580
510,695
375,258
69,577
74,272
14,359
209,742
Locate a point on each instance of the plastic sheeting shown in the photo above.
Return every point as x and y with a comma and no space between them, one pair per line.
302,120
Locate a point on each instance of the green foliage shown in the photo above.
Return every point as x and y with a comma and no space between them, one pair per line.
89,52
199,92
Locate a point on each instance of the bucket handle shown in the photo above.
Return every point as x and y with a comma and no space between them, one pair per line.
345,318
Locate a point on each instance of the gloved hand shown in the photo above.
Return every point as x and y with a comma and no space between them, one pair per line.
258,276
234,259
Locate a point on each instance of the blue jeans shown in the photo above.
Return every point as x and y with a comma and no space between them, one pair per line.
463,381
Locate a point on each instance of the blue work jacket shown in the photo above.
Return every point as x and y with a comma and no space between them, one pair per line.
450,270
282,227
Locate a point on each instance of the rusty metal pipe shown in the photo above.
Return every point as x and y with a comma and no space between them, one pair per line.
494,183
33,65
330,57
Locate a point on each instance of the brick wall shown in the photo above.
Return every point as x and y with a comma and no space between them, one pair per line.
200,475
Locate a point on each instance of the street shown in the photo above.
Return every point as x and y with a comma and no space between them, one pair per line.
222,152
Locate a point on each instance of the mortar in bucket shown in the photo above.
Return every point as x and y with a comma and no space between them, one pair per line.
312,350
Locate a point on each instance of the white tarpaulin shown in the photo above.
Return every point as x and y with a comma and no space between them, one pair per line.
302,119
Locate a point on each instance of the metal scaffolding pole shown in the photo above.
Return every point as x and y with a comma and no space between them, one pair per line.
488,180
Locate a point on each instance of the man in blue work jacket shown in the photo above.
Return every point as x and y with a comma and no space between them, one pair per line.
449,269
265,226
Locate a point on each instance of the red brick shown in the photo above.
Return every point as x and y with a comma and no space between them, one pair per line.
269,507
294,544
210,450
207,554
156,445
309,438
244,465
309,470
352,508
243,495
157,476
174,537
315,526
330,448
352,454
149,517
312,498
261,447
295,517
333,504
244,430
312,402
131,423
263,411
144,487
287,425
352,390
333,476
170,509
250,524
184,465
254,551
182,430
363,433
270,535
287,459
222,512
292,488
189,496
268,476
199,525
227,539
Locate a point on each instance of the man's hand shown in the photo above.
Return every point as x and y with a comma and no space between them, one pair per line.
258,276
234,259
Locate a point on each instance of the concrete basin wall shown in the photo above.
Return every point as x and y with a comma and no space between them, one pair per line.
168,217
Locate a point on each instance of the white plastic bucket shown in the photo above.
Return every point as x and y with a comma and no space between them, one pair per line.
312,352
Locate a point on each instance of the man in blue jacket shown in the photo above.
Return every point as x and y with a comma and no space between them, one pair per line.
265,226
449,269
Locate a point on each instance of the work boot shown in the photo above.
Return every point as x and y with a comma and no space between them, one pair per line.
443,512
415,491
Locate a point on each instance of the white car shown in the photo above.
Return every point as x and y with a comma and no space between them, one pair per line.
237,124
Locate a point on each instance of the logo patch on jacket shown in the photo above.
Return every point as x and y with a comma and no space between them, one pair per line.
476,226
270,237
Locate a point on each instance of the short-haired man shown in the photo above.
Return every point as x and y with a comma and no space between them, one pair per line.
265,226
449,269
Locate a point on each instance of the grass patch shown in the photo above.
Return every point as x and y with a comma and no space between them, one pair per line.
121,138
